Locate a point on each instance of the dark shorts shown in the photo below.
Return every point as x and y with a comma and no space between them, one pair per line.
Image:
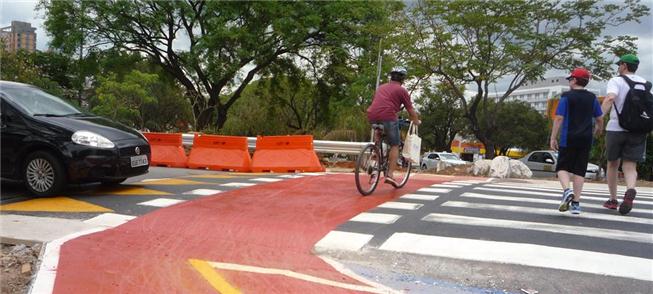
573,160
625,145
391,130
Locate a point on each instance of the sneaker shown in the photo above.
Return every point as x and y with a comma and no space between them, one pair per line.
611,204
391,181
567,196
627,203
575,207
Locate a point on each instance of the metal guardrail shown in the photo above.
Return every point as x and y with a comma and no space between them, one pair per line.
320,146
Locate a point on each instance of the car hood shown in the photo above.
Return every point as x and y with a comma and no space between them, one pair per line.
104,127
591,166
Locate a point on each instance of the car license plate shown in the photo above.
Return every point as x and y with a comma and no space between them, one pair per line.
139,160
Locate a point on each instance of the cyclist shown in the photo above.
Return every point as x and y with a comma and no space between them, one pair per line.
387,102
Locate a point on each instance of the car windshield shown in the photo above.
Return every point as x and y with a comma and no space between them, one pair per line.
449,157
37,102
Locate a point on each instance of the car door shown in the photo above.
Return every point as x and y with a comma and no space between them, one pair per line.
13,131
549,162
536,161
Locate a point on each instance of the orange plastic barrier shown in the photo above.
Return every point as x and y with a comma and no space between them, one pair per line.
220,153
285,154
167,150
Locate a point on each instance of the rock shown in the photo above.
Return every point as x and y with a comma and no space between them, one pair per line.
481,167
500,167
519,170
26,268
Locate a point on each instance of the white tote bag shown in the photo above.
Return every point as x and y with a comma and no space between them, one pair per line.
413,144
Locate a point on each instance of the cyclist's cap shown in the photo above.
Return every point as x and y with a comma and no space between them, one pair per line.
580,73
628,58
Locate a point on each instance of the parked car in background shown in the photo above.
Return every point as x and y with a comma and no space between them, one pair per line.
546,161
48,143
431,159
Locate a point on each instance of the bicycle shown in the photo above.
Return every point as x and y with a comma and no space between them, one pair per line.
373,160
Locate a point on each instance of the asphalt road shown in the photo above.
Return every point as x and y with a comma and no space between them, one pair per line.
525,242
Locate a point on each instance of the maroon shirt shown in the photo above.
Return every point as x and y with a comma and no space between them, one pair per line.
387,102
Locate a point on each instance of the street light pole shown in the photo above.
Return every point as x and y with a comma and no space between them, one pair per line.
378,65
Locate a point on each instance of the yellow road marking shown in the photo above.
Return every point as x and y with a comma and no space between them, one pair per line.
215,279
54,204
249,174
290,274
173,182
126,190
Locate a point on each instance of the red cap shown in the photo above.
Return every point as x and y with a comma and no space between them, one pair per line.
580,73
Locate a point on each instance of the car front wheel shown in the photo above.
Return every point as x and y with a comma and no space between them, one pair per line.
43,173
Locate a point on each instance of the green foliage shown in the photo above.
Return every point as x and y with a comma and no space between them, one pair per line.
228,42
645,169
123,100
520,126
476,43
44,70
441,116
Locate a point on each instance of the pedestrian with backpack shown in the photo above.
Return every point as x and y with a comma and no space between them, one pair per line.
630,103
577,118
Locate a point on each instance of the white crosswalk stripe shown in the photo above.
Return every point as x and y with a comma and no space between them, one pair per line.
536,200
547,211
498,212
521,253
603,193
564,229
556,195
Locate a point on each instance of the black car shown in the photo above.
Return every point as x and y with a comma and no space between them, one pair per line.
48,143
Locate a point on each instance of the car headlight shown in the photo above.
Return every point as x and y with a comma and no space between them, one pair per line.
91,139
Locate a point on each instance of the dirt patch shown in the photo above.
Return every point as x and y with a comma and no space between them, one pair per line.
19,264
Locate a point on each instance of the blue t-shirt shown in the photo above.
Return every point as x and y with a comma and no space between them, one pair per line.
579,108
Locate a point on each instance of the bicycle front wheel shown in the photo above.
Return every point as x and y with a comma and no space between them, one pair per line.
368,169
404,167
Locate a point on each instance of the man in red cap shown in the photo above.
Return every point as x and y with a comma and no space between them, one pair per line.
577,113
622,147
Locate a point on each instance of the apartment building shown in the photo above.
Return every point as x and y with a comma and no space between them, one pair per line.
537,93
19,35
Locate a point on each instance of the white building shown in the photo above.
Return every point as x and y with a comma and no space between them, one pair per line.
537,93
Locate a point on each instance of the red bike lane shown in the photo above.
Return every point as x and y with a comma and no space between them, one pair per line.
251,240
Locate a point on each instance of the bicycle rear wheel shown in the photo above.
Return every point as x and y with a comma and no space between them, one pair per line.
404,167
368,169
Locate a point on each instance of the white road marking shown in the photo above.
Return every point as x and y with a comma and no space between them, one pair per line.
547,211
604,194
544,227
555,195
161,202
434,190
378,218
203,192
535,200
446,186
337,240
238,184
401,205
109,220
420,197
267,180
462,183
313,174
524,254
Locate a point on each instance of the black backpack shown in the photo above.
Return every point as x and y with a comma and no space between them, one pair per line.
637,113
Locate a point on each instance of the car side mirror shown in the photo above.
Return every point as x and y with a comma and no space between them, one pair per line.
549,161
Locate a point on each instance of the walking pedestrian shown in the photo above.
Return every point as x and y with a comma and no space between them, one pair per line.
578,111
622,146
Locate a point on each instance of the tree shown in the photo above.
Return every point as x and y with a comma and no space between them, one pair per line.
216,48
441,117
124,100
519,126
477,43
26,67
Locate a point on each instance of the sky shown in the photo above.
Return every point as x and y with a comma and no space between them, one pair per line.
24,10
